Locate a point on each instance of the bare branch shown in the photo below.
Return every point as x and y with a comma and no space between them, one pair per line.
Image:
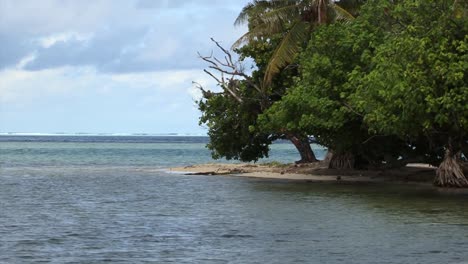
212,76
225,86
227,68
233,94
207,58
223,49
224,64
205,93
199,86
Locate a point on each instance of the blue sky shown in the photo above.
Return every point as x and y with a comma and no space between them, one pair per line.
108,66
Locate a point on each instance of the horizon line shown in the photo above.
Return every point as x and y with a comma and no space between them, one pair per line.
98,134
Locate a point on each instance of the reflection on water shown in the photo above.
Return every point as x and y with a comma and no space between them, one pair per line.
154,217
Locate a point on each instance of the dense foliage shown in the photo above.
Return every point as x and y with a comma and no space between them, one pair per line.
293,21
232,124
229,127
387,88
418,84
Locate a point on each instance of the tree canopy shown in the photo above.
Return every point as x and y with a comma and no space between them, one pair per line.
387,88
294,20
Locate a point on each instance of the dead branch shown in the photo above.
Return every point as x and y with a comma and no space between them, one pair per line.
205,93
229,68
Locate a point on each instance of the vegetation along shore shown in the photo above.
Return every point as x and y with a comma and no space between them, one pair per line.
381,84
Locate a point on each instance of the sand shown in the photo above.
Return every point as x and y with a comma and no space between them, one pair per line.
415,173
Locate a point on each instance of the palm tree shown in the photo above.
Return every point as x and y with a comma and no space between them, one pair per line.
295,19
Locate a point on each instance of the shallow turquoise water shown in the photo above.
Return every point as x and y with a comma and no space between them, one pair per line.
95,202
63,152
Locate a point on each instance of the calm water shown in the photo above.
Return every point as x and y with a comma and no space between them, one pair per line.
108,199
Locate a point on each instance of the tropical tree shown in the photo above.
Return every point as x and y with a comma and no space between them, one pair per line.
294,20
318,102
229,120
417,85
231,114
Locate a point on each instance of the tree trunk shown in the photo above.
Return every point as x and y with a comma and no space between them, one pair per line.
303,146
322,12
450,172
328,158
342,160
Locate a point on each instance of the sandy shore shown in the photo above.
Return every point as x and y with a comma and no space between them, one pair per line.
417,173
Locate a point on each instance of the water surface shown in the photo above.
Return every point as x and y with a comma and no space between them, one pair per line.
95,202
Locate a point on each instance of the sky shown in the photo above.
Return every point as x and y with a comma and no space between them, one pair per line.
108,66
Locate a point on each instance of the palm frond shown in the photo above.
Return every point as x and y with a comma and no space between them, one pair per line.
242,40
244,15
293,18
254,34
287,50
252,9
266,18
283,13
342,13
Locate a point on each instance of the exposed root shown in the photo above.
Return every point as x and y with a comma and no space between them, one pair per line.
450,172
305,161
342,161
328,158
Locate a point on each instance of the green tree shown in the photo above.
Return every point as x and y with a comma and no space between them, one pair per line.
318,104
417,86
294,20
231,114
322,101
229,121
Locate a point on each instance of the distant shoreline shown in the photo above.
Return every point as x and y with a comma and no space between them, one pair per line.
79,134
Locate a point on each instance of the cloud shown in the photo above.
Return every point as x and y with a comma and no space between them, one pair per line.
26,60
107,65
19,85
36,18
82,99
51,40
112,37
162,4
14,48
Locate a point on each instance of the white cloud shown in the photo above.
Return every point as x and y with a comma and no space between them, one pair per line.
19,86
83,99
49,41
115,36
26,60
123,64
51,16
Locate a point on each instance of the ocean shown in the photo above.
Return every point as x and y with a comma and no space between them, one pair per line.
110,199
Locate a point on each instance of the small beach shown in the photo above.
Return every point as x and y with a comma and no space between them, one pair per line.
413,173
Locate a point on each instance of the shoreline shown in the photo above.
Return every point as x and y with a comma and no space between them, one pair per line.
420,174
416,175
